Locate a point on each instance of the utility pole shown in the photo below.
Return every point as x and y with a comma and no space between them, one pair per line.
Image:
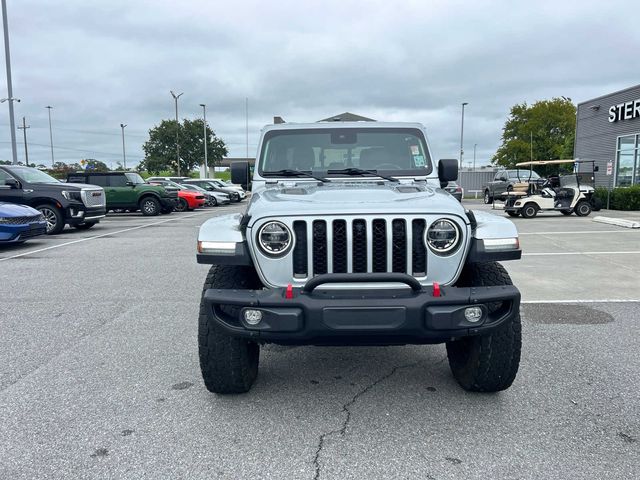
176,97
531,145
474,156
246,124
24,132
49,107
124,155
7,56
462,133
204,128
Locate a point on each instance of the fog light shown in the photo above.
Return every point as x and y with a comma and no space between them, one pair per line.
473,314
252,317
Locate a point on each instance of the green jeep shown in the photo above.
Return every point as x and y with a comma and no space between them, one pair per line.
129,191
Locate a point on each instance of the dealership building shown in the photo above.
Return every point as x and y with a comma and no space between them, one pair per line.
608,132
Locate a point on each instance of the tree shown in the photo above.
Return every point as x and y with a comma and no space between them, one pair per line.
547,126
160,149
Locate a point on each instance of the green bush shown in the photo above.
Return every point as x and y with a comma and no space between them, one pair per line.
622,198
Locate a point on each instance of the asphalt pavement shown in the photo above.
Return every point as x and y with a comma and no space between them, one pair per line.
99,374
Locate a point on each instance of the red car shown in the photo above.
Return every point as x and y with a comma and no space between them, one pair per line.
187,199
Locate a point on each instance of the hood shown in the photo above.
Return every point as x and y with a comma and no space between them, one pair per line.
14,210
66,186
351,197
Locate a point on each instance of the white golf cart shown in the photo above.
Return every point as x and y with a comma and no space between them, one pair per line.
562,193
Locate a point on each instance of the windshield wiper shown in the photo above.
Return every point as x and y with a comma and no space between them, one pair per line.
360,171
288,172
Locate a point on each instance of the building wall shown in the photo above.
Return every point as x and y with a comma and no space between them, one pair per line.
596,137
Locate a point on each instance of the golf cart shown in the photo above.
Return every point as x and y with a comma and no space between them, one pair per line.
564,193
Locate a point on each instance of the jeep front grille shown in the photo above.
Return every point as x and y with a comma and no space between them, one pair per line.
359,245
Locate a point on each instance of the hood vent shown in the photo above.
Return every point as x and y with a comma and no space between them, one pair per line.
408,189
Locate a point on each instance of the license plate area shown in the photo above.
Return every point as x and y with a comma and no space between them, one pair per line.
364,318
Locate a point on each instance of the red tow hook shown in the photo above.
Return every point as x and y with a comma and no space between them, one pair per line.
288,294
436,289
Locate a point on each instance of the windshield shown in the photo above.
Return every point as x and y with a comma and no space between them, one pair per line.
193,187
32,175
523,174
134,178
392,150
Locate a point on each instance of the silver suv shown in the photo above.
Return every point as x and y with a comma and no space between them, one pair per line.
350,239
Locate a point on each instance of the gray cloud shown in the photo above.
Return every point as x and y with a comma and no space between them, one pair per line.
103,63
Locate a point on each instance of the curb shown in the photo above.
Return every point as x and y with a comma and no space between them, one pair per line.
620,222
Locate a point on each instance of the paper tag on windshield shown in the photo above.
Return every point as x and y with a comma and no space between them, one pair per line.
415,150
418,160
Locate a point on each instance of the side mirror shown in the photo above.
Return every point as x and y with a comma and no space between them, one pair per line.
447,171
130,184
240,174
596,168
12,183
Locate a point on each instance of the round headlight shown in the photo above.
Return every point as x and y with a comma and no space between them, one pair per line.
274,238
443,236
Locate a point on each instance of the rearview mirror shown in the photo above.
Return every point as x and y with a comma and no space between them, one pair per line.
12,183
240,174
447,171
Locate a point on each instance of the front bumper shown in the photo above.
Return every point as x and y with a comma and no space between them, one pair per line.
19,233
362,316
78,214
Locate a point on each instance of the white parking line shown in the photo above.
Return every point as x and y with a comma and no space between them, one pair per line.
579,231
86,239
608,300
542,254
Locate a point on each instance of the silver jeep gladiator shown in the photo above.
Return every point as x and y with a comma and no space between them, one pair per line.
349,239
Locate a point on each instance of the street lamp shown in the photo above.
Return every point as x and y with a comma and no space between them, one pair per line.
462,133
49,107
124,155
175,98
204,128
12,122
7,57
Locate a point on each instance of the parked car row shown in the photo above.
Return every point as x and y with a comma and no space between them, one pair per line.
34,203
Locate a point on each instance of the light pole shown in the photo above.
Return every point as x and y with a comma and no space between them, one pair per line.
49,107
462,133
24,132
204,128
474,156
124,155
7,56
176,97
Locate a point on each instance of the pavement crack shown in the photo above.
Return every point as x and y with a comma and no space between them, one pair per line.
346,408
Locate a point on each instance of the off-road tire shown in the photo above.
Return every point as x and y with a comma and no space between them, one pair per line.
85,226
583,208
54,218
513,214
566,212
228,364
529,210
182,205
489,362
149,206
487,197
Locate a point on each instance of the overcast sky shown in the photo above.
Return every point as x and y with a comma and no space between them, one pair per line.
102,63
